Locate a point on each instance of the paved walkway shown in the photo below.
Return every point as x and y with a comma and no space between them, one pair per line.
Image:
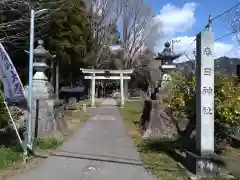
99,150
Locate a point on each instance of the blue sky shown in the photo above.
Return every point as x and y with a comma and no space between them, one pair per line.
189,17
203,9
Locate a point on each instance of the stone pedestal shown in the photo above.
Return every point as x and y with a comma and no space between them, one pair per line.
205,164
42,89
51,113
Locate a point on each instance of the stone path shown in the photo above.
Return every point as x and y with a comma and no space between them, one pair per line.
99,150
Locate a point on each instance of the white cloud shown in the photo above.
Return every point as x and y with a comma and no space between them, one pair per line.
176,19
181,19
220,49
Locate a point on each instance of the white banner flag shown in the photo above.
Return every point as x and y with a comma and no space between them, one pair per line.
13,88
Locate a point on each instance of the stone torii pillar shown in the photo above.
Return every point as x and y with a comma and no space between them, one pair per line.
122,89
93,90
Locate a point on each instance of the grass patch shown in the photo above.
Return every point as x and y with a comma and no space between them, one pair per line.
158,162
131,114
157,154
9,157
75,119
86,101
78,105
154,158
47,143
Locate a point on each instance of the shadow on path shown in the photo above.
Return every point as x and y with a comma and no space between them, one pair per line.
100,158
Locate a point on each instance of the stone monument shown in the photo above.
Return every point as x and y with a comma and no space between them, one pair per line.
50,118
204,162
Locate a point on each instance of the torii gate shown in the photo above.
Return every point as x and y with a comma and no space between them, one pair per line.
123,74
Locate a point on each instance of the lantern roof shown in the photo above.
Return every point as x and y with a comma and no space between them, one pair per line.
167,54
41,51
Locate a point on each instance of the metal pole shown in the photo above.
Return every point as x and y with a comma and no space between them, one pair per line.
209,23
30,76
36,120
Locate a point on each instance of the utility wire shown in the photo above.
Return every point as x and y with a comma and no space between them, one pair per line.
225,12
221,37
193,41
189,46
225,35
26,19
214,18
23,34
21,23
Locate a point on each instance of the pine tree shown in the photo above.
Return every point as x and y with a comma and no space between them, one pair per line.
70,37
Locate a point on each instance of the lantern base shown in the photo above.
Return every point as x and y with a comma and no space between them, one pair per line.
40,76
47,108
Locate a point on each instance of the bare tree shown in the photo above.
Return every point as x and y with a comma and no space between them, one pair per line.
138,29
137,25
102,15
235,23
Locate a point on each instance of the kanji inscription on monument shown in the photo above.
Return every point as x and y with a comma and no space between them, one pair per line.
207,71
207,51
205,92
207,110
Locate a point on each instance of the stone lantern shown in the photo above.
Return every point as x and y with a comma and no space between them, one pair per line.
50,111
42,89
39,64
167,57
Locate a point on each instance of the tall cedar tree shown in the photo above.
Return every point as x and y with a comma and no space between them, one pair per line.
70,38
